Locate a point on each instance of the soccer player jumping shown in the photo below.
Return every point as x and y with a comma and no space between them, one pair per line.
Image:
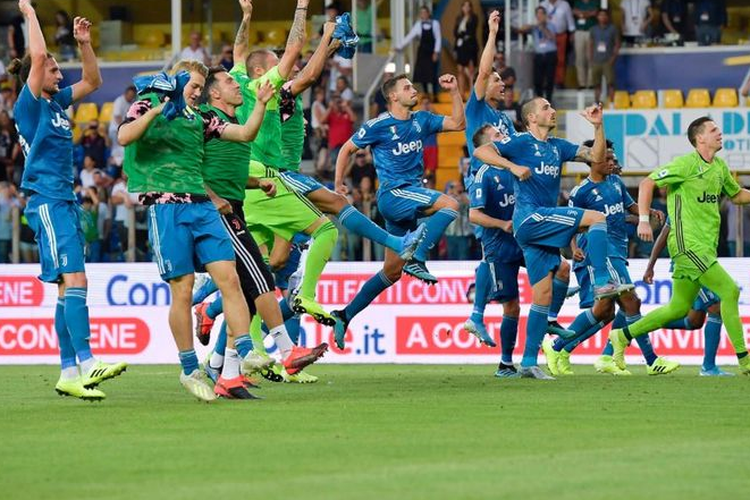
540,226
695,184
46,136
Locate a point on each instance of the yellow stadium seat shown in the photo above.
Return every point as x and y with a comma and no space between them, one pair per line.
644,99
673,99
274,37
86,112
698,98
77,132
451,139
622,99
155,38
444,97
105,115
726,98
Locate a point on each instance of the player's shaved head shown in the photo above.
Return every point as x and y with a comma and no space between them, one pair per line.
529,108
696,128
259,59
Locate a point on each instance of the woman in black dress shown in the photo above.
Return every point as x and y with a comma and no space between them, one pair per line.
428,51
467,47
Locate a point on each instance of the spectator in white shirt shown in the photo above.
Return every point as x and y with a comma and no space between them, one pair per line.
636,20
560,15
119,110
195,50
428,51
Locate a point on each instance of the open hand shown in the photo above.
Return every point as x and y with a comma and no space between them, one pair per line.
246,6
265,92
26,8
268,187
645,232
82,30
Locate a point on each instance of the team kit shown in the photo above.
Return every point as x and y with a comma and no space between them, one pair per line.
215,157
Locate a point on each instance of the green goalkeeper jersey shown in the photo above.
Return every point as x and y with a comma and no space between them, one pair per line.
693,196
267,144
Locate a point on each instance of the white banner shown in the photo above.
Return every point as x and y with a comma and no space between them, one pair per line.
408,323
647,139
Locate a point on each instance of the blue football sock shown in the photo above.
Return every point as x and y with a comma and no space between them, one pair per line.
619,320
508,335
482,291
580,325
369,292
77,321
243,345
292,328
436,226
559,292
712,334
597,247
203,292
579,339
189,361
536,326
286,311
356,222
67,353
221,341
644,342
680,324
215,308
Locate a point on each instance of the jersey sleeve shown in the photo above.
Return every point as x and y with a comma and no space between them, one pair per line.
730,186
213,125
479,193
239,70
568,150
672,173
274,77
511,146
626,198
432,123
65,97
367,135
577,198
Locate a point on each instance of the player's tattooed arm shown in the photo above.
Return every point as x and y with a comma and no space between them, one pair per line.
312,70
296,40
488,154
659,244
241,41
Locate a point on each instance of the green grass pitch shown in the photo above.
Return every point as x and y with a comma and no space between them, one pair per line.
376,432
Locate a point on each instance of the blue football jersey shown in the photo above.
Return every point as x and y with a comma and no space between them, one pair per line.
479,113
397,146
46,137
545,159
610,197
493,191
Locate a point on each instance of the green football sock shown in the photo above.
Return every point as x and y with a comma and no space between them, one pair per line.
684,292
256,334
324,240
722,284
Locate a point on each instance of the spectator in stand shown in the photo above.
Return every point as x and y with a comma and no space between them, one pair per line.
365,15
512,108
430,145
119,110
636,20
560,15
195,51
8,200
123,202
226,59
89,172
340,119
605,45
89,215
732,213
507,73
428,51
467,47
362,173
710,16
94,143
458,233
8,141
545,54
343,89
378,104
7,98
674,18
319,139
16,38
3,72
64,39
464,163
584,12
29,248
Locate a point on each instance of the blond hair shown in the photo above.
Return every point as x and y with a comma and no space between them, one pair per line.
190,65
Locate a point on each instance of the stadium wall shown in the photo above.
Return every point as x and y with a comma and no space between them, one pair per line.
409,323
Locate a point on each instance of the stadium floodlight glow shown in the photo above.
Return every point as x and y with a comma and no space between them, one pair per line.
390,67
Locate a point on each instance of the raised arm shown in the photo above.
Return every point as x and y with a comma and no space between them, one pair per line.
37,49
248,131
457,120
489,155
597,153
314,67
91,78
241,41
133,130
296,40
342,162
488,56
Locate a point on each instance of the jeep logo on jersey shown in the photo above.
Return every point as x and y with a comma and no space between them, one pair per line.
60,121
408,147
708,198
545,169
507,200
617,208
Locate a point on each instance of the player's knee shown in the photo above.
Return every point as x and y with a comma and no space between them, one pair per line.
181,290
277,262
563,272
715,309
447,202
392,271
631,304
337,202
75,280
732,293
597,217
512,309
